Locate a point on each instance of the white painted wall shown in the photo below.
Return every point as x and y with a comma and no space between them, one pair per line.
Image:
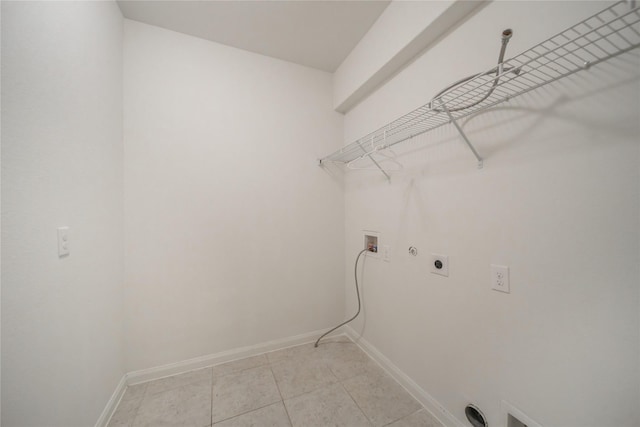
385,39
233,235
62,158
558,201
400,33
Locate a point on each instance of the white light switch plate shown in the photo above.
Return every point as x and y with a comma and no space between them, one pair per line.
63,241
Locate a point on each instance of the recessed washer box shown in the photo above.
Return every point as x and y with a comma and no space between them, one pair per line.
371,243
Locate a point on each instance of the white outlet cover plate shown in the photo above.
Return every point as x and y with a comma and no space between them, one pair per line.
444,259
500,278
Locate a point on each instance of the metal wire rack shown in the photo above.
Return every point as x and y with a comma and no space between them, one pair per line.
611,32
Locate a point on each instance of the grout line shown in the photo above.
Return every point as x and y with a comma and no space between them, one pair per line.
251,410
430,405
280,393
406,416
384,374
320,361
356,403
320,386
201,369
244,413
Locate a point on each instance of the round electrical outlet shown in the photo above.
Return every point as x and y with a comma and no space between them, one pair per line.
440,264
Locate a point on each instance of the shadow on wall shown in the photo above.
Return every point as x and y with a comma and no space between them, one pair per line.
334,172
503,127
552,111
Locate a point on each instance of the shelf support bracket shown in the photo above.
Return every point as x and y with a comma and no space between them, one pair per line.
374,161
462,134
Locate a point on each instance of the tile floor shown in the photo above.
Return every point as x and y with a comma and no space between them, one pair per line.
336,384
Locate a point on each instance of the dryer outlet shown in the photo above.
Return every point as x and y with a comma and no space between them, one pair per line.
440,264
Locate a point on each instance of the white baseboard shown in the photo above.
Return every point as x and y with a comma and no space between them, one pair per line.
158,372
431,404
113,402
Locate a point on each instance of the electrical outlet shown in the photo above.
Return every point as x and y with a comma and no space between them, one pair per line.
500,278
440,264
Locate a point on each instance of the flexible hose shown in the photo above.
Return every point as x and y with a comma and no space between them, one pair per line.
506,35
355,274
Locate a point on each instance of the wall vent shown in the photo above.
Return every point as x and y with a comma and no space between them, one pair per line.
514,422
514,417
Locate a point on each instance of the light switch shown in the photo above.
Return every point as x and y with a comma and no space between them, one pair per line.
63,241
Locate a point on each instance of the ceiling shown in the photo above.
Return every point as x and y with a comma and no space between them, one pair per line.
318,34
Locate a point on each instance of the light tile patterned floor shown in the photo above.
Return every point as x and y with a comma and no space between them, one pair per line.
335,384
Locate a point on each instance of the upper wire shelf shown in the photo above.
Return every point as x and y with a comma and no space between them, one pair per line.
608,33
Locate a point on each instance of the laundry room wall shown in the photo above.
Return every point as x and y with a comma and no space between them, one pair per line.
558,202
62,160
233,234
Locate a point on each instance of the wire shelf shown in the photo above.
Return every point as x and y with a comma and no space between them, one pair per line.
609,33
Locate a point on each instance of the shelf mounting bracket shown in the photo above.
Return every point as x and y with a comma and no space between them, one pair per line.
462,134
374,161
